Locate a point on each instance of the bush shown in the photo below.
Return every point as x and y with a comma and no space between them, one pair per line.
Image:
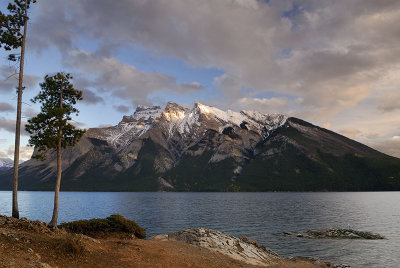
114,224
70,244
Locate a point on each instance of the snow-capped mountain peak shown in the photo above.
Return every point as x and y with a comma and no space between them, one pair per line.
176,119
143,113
6,163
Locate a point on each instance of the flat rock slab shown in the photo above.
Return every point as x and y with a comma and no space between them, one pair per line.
338,233
243,248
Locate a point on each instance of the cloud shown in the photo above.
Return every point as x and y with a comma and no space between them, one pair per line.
122,109
320,52
123,80
104,125
3,154
335,61
9,79
6,107
51,26
265,105
90,97
390,146
390,102
193,86
351,133
78,124
9,125
29,112
25,152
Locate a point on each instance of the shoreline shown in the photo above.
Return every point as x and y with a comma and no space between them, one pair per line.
26,243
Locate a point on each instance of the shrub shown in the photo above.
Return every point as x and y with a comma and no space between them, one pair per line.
70,244
114,224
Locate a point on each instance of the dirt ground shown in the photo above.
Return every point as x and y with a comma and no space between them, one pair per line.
24,245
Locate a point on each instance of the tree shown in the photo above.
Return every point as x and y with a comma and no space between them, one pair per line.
12,38
51,129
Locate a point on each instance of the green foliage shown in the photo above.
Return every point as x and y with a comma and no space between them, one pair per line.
11,25
58,98
114,224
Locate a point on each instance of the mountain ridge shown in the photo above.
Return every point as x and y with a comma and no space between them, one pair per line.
5,164
206,149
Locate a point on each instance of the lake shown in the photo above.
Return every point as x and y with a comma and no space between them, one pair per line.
257,215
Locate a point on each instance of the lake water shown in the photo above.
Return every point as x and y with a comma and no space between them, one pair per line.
257,215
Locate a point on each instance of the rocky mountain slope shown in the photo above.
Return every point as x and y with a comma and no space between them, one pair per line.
5,164
206,149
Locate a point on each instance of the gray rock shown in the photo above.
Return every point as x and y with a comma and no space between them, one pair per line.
244,249
342,233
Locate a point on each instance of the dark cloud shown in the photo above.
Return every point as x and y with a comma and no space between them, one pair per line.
50,25
194,86
122,109
6,107
104,125
9,79
123,80
9,125
90,97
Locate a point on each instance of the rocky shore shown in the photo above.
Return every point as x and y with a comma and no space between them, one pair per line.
26,243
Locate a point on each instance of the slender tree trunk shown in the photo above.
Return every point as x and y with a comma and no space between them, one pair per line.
15,211
53,222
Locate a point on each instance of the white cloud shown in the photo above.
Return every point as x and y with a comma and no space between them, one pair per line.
265,105
389,146
390,102
25,152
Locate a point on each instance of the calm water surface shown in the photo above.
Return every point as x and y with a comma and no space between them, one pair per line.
257,215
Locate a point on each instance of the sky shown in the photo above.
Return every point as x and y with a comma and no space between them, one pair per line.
335,64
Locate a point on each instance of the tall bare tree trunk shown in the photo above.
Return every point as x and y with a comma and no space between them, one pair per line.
53,222
15,211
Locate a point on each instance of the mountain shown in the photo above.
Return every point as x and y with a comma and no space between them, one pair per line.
206,149
5,164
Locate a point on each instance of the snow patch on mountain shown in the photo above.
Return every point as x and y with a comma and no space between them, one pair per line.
129,128
6,162
187,123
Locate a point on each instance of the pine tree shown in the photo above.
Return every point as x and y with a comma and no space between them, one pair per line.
51,129
11,37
